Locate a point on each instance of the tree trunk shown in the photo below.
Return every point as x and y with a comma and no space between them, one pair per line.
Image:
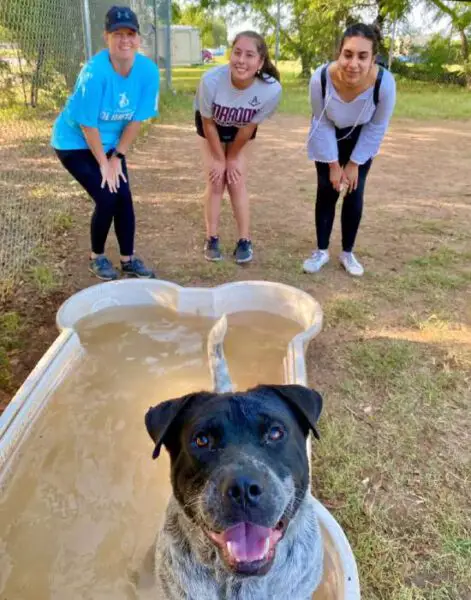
36,80
464,45
22,75
305,64
465,56
379,22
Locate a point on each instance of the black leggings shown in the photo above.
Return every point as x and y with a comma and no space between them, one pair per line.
110,207
327,196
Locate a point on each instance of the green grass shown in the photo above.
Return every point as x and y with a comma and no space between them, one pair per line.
442,257
432,276
430,322
415,99
10,336
347,312
405,519
63,222
45,278
381,363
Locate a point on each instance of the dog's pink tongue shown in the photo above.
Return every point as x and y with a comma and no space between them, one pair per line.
247,542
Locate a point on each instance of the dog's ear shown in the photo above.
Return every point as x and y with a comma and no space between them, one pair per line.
159,418
308,402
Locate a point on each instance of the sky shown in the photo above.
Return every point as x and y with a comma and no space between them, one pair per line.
419,19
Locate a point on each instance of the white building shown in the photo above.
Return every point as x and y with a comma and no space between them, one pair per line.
185,45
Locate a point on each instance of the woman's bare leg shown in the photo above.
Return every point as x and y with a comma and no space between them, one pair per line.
213,194
239,195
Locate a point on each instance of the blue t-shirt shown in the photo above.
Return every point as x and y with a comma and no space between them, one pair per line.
104,99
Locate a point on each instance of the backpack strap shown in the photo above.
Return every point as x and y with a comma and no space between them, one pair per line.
379,78
324,80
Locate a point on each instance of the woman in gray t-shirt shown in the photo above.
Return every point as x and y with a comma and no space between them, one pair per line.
231,101
352,102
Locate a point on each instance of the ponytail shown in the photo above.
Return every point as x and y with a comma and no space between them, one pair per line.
268,70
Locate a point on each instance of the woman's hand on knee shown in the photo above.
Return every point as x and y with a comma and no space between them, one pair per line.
350,176
217,172
335,175
234,171
116,168
107,177
112,172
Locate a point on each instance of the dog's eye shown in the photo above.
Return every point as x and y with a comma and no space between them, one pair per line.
275,434
201,440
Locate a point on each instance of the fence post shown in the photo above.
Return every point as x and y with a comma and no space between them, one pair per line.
392,43
277,41
156,32
168,50
87,29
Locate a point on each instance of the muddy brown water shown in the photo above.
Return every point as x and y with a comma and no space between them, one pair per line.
79,515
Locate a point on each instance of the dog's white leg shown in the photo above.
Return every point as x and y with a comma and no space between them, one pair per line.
217,361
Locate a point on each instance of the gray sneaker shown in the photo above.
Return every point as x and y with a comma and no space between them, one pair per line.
243,252
102,267
351,264
212,252
314,263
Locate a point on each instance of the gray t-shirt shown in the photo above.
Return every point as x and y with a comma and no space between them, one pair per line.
334,112
228,106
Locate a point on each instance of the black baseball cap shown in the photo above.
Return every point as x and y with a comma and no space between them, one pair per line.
121,17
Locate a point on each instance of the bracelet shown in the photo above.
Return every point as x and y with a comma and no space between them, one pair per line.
120,155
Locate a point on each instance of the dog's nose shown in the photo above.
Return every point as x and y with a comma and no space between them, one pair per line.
244,491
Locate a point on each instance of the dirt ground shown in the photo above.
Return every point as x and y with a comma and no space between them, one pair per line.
418,193
419,176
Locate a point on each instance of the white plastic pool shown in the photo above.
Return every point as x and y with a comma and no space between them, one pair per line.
31,401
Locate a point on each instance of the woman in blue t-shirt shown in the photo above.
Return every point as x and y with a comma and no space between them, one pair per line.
116,90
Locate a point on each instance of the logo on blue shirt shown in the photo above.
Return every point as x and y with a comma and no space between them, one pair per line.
123,100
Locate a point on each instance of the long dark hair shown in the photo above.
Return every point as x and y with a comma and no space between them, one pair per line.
369,32
268,69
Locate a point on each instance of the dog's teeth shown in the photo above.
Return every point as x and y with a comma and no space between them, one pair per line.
231,550
266,548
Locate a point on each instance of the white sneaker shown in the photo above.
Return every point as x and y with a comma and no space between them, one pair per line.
315,263
351,264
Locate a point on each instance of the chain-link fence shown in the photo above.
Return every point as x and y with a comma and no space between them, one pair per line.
43,44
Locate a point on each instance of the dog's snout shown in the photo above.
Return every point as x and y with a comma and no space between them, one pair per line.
243,491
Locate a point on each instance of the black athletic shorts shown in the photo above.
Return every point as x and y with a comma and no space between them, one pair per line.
226,134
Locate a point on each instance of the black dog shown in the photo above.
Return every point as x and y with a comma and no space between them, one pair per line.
241,523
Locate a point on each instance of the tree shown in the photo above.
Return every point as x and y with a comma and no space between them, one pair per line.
162,11
213,29
460,16
219,33
392,9
310,28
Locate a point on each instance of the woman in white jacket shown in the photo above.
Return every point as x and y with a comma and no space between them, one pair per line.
352,102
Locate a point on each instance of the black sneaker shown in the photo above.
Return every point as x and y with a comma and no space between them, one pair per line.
136,268
243,252
212,252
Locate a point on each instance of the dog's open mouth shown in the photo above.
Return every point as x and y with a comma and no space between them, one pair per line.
249,548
